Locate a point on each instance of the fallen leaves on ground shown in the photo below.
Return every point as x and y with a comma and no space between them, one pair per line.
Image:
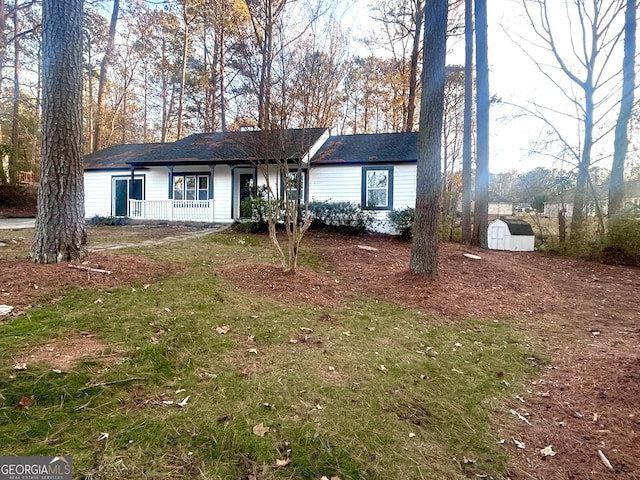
24,403
260,430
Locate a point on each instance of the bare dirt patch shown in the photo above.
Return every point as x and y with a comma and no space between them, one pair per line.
584,316
62,354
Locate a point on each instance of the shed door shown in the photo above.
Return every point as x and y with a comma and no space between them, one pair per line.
497,237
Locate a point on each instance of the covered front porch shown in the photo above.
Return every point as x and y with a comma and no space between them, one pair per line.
172,210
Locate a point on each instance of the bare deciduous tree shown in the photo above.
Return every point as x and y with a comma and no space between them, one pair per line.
621,139
589,84
102,82
281,159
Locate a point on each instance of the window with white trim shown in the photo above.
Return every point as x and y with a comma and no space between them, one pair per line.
191,187
377,188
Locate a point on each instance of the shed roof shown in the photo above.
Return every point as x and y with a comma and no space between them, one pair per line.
518,226
369,148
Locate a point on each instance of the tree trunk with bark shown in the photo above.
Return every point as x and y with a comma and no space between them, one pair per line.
468,123
59,233
481,210
186,39
424,252
15,117
578,235
413,67
102,82
621,140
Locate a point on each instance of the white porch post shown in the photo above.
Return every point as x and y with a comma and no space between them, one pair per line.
170,196
130,190
211,200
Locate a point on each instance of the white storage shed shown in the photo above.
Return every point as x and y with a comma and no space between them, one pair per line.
511,234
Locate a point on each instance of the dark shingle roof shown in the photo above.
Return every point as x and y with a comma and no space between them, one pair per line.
518,226
210,148
118,156
371,148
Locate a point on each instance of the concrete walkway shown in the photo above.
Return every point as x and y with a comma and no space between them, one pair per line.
24,223
218,227
16,223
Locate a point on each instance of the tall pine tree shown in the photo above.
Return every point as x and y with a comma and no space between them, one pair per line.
60,233
424,253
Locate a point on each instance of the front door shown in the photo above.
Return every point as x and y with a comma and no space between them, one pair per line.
121,188
121,197
246,191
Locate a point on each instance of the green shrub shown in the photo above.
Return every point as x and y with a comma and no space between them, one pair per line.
341,217
108,221
402,221
621,245
255,212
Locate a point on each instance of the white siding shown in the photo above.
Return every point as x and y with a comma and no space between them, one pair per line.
336,183
222,194
156,184
339,183
343,183
404,186
500,208
552,210
98,189
521,243
97,192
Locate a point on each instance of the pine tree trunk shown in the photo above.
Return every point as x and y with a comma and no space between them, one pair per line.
481,210
424,252
183,72
60,234
468,123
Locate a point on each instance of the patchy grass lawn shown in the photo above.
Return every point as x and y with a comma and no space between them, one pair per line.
190,376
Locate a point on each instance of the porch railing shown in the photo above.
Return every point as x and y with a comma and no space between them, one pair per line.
172,210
